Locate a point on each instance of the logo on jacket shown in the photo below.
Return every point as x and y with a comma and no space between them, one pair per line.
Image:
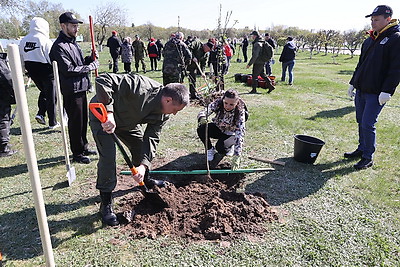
384,40
30,46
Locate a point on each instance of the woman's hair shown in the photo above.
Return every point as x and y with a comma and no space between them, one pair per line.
231,93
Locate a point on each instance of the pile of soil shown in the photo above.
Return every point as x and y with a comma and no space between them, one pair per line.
199,208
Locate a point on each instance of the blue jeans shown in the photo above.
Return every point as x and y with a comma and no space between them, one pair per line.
288,65
367,112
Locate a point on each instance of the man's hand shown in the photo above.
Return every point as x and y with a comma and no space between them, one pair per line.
109,125
350,91
235,162
383,98
140,175
94,65
95,55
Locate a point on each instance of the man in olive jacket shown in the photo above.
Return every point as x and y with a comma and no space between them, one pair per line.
137,109
258,61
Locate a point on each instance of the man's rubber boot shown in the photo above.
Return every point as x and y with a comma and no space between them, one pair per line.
107,214
269,84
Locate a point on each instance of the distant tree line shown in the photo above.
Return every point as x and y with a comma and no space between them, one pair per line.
17,14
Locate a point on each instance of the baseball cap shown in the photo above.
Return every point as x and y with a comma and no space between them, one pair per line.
69,17
381,10
255,33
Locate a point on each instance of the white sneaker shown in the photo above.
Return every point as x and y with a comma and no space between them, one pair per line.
210,154
55,126
231,151
40,119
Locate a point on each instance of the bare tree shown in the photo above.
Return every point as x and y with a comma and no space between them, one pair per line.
327,37
353,39
11,7
108,15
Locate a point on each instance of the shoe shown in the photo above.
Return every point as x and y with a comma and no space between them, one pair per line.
231,151
6,152
363,164
89,152
40,119
270,88
210,154
51,127
290,83
107,214
355,154
254,91
150,183
81,159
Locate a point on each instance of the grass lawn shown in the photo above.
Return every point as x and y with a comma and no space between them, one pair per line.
330,214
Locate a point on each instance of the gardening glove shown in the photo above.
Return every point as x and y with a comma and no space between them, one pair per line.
383,98
201,121
235,161
94,65
350,91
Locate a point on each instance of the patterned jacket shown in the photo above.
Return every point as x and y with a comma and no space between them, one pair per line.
176,57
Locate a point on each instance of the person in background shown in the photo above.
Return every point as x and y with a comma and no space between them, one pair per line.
160,48
74,71
114,44
34,49
137,109
258,62
375,80
228,127
152,49
287,58
229,54
7,98
245,44
269,63
127,52
176,58
140,53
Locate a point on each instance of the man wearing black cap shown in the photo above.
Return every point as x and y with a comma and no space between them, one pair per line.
74,81
375,80
258,62
114,44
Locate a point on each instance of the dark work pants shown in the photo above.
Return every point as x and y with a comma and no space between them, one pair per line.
153,62
5,111
192,80
171,78
214,132
77,110
245,54
115,62
106,166
141,60
367,112
127,67
258,70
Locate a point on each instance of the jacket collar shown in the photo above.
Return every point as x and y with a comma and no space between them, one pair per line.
374,34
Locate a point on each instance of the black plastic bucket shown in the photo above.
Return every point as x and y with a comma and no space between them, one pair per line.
307,148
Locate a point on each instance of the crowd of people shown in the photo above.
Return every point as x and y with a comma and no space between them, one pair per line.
138,107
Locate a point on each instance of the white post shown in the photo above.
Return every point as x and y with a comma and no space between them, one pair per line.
29,149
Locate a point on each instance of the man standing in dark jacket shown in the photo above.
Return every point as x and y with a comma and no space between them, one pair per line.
245,44
288,59
375,80
114,44
6,99
199,51
258,62
74,82
268,64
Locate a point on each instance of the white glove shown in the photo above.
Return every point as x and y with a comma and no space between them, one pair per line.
383,98
350,91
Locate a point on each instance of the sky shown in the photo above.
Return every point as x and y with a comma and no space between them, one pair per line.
260,14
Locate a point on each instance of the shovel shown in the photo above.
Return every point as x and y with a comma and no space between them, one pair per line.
71,175
153,197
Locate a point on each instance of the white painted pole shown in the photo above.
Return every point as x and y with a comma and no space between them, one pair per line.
71,175
29,148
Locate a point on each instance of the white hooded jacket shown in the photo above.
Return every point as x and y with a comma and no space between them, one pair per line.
35,46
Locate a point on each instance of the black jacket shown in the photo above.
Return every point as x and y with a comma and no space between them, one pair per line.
72,67
378,69
6,87
288,52
114,44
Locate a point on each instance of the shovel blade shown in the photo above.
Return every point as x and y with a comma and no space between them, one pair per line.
154,198
71,175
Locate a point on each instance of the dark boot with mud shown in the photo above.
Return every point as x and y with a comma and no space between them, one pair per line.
107,214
